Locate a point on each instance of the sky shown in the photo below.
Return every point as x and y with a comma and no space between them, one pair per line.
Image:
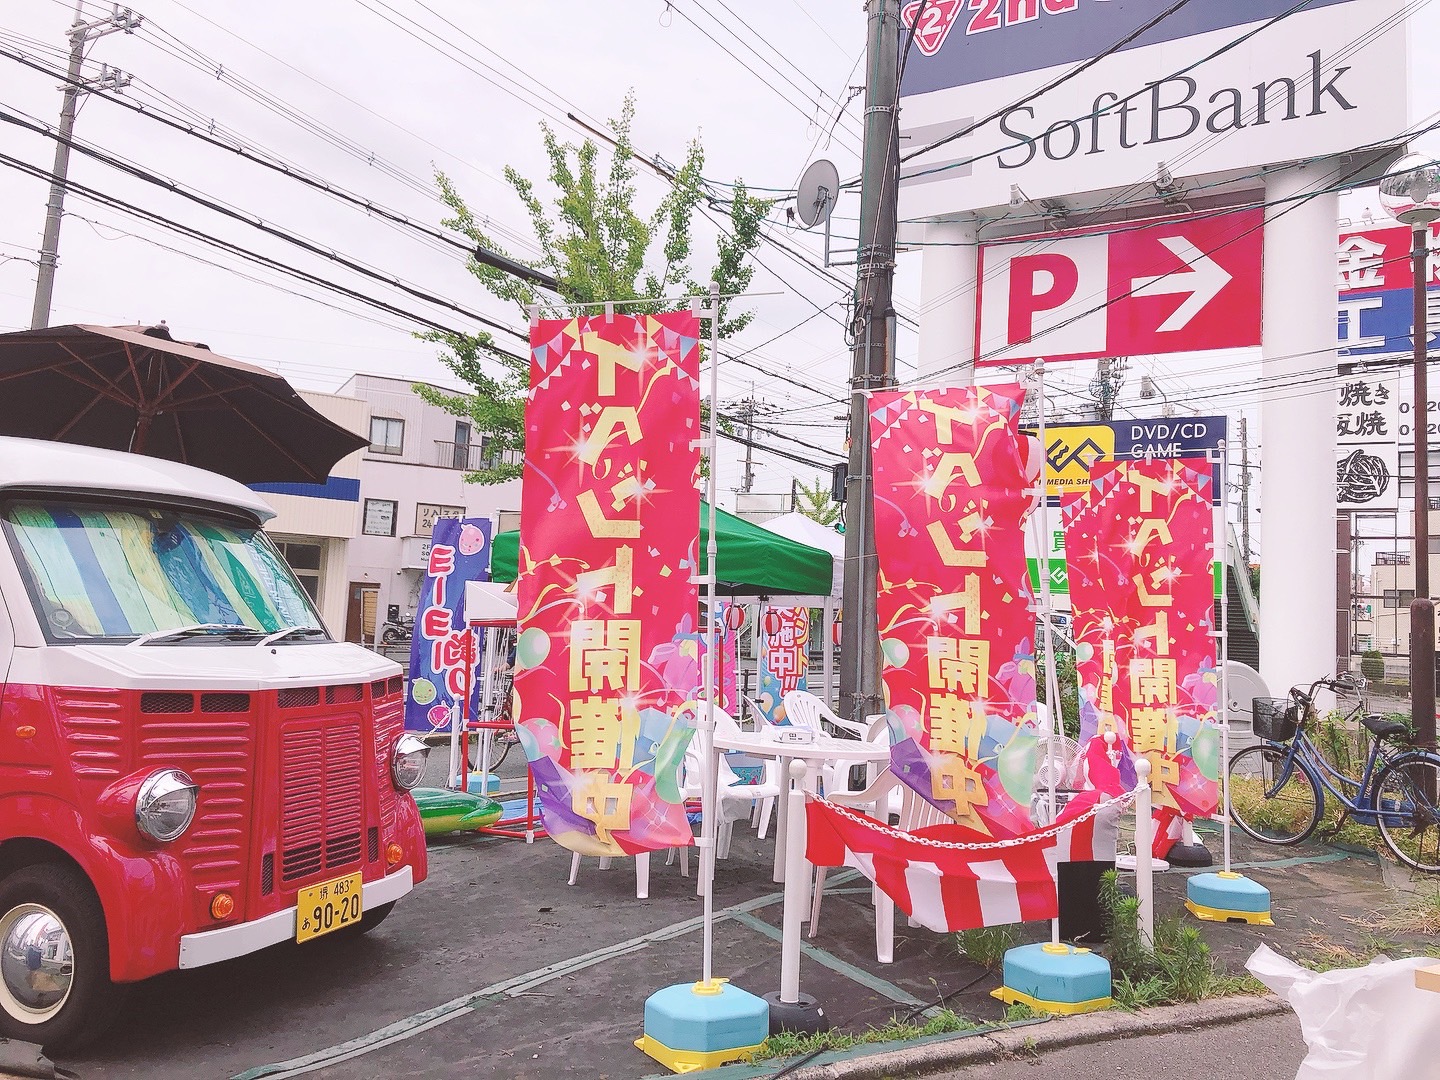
372,96
461,87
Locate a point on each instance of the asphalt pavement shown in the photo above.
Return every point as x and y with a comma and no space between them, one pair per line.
495,968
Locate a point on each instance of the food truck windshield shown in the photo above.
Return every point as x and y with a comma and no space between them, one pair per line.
103,571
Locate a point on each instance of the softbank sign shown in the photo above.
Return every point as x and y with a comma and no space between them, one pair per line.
1219,86
1180,285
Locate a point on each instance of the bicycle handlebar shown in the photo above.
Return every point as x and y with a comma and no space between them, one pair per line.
1337,683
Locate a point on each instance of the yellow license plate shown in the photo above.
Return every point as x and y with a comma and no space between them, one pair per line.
319,909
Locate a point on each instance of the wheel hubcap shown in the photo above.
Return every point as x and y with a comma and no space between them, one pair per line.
37,964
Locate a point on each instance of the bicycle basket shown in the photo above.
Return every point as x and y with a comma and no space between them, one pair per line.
1275,719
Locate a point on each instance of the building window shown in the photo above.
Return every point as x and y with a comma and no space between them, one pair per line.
380,517
304,559
1398,598
387,435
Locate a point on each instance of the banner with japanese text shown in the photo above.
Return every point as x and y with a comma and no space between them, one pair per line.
606,658
784,658
956,626
439,650
1139,548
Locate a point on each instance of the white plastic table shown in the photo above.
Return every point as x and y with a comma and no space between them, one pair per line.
825,749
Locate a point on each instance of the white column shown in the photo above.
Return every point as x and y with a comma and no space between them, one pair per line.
1297,496
947,303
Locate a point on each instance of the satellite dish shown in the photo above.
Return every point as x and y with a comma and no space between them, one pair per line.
819,188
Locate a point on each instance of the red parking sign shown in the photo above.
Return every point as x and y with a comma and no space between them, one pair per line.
1180,285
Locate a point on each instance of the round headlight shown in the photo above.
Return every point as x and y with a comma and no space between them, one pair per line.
407,763
165,805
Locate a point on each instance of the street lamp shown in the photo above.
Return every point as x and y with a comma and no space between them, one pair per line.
1411,195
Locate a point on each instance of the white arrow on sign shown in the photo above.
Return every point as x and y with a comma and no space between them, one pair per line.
1203,280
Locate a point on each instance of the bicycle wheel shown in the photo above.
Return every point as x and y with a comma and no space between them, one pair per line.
1283,814
1405,798
500,744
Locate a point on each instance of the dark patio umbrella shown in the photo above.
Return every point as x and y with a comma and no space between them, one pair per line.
135,388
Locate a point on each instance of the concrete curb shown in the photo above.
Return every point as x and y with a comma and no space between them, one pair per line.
1049,1035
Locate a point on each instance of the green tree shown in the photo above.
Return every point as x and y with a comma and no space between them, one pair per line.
813,500
596,244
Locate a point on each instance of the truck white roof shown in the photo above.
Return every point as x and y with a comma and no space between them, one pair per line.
31,463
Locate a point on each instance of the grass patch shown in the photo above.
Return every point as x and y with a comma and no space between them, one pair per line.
1178,968
1419,916
785,1044
1019,1011
988,945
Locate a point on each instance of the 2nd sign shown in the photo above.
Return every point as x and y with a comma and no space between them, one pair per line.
1182,285
321,909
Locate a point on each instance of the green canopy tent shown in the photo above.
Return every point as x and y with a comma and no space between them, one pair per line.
750,561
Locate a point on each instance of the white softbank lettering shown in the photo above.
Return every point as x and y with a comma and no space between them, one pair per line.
1167,110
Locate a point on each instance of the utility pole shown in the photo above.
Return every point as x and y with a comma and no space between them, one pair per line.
1109,378
1245,492
81,34
747,409
873,365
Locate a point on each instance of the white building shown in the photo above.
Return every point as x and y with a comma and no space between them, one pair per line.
315,522
358,542
412,473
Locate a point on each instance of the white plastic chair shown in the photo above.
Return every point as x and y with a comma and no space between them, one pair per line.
642,869
915,813
804,709
837,777
642,865
737,800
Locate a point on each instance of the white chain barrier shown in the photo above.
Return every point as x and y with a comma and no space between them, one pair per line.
1118,803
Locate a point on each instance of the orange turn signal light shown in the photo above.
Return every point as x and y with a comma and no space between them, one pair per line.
222,906
25,731
393,853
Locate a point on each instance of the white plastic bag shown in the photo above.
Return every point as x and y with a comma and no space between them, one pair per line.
1368,1023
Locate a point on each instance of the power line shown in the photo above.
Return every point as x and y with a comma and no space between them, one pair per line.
754,74
822,103
370,206
270,230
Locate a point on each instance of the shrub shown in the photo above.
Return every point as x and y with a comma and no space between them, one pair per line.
1372,666
1179,968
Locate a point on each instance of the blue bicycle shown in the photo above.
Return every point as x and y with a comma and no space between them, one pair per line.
1278,788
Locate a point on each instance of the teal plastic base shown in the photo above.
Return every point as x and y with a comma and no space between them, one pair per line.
481,785
1058,980
1226,897
706,1023
1231,893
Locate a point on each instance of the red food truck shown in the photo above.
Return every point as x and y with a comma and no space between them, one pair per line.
191,769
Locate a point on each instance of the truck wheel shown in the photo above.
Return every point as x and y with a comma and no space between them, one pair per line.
55,986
